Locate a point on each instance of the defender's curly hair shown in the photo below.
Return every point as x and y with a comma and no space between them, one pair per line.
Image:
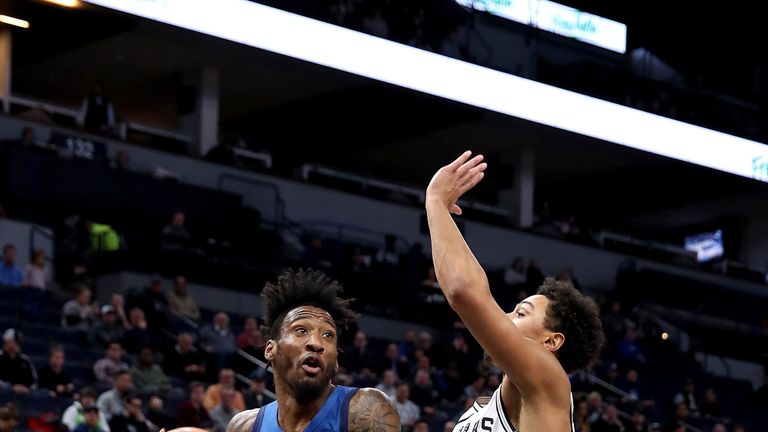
578,318
303,288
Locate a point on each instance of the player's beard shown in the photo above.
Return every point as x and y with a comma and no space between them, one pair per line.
306,391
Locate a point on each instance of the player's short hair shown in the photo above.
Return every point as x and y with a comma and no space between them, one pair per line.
303,288
578,318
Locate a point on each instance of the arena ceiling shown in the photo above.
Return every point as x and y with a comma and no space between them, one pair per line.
310,112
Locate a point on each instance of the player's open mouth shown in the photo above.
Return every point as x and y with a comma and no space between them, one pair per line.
312,365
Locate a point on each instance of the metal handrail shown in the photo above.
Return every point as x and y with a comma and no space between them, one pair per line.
279,202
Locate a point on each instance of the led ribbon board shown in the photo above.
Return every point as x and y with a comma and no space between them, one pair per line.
556,18
358,53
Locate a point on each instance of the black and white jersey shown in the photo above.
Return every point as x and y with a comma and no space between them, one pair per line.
487,415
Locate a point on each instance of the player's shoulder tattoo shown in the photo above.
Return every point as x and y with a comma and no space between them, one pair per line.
243,421
370,410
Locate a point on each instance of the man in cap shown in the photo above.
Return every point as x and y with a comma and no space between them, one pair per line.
16,369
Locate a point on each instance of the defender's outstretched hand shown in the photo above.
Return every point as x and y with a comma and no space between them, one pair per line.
453,180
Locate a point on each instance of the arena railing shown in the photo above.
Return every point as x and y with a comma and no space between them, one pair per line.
195,326
124,127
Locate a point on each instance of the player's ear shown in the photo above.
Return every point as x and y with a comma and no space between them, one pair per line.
554,341
270,350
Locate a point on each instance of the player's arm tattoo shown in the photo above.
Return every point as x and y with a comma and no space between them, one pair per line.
370,410
243,421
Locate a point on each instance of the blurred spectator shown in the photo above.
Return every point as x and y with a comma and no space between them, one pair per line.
387,383
594,406
132,418
612,374
514,273
614,324
107,369
632,385
449,425
16,369
459,352
28,137
431,280
181,301
608,421
212,395
421,425
719,427
475,389
53,376
91,420
677,421
423,393
580,414
157,414
122,161
254,347
454,382
218,340
414,263
630,353
408,411
424,344
96,112
79,313
184,361
359,263
359,357
688,397
251,334
118,302
111,401
255,397
74,415
407,345
314,254
394,362
637,422
9,418
222,413
192,412
175,234
153,301
568,275
37,274
375,24
107,329
148,377
140,334
387,257
10,274
709,405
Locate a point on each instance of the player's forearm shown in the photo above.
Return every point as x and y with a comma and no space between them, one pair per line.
457,270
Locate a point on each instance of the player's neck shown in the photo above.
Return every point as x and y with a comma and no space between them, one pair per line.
294,415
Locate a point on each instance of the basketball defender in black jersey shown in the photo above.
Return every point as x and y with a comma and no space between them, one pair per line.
547,336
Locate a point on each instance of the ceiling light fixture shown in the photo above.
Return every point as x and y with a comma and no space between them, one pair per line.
14,21
65,3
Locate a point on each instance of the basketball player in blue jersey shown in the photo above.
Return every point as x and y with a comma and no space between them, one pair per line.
547,336
302,315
